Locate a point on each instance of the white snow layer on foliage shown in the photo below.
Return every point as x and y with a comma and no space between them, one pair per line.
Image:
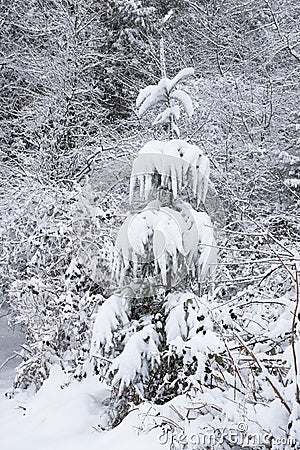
183,73
202,227
179,323
182,325
139,353
164,117
111,315
167,236
163,92
185,100
167,240
179,165
189,330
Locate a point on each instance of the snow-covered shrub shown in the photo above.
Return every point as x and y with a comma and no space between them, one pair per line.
154,333
50,236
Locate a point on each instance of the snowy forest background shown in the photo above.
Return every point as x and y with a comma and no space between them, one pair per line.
70,131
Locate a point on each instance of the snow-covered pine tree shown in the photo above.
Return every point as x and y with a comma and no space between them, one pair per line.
154,335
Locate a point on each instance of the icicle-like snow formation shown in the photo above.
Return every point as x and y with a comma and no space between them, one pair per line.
174,240
139,355
176,163
201,258
155,233
111,315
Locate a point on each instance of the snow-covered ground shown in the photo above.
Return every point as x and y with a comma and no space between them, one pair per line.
60,419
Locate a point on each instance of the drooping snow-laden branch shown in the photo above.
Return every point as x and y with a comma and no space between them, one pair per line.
178,164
